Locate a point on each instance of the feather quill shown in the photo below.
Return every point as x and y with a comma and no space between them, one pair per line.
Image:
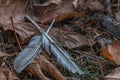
61,54
28,54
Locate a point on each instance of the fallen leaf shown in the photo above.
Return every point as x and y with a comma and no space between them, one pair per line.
2,54
42,63
114,75
78,4
117,16
49,2
64,11
24,30
74,40
7,74
2,76
112,51
35,69
73,78
93,5
69,38
14,10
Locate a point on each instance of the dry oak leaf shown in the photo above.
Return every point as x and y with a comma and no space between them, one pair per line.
112,51
15,9
93,5
114,75
78,4
41,62
64,11
74,40
49,2
117,16
69,38
7,74
24,30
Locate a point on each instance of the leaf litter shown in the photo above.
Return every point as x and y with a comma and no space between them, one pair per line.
87,30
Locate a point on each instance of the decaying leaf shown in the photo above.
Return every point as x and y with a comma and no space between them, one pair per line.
73,78
42,63
49,2
35,69
114,75
93,5
65,11
74,40
69,37
7,74
24,30
13,9
2,54
78,4
112,51
117,16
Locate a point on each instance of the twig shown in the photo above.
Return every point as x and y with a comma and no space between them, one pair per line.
15,34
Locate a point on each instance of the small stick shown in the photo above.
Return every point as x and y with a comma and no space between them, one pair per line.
15,34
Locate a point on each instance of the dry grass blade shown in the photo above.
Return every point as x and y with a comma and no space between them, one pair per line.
41,62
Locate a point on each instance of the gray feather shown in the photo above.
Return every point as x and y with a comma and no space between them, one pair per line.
62,56
46,46
28,54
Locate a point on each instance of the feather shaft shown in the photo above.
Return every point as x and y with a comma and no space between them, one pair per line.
57,50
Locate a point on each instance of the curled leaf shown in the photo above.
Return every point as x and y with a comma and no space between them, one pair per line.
93,5
7,74
114,75
64,11
112,51
42,63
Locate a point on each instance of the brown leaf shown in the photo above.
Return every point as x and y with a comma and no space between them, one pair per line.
13,9
114,75
93,5
73,78
78,4
6,73
74,40
2,54
112,51
64,11
24,30
117,16
2,76
69,38
42,63
35,69
49,2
